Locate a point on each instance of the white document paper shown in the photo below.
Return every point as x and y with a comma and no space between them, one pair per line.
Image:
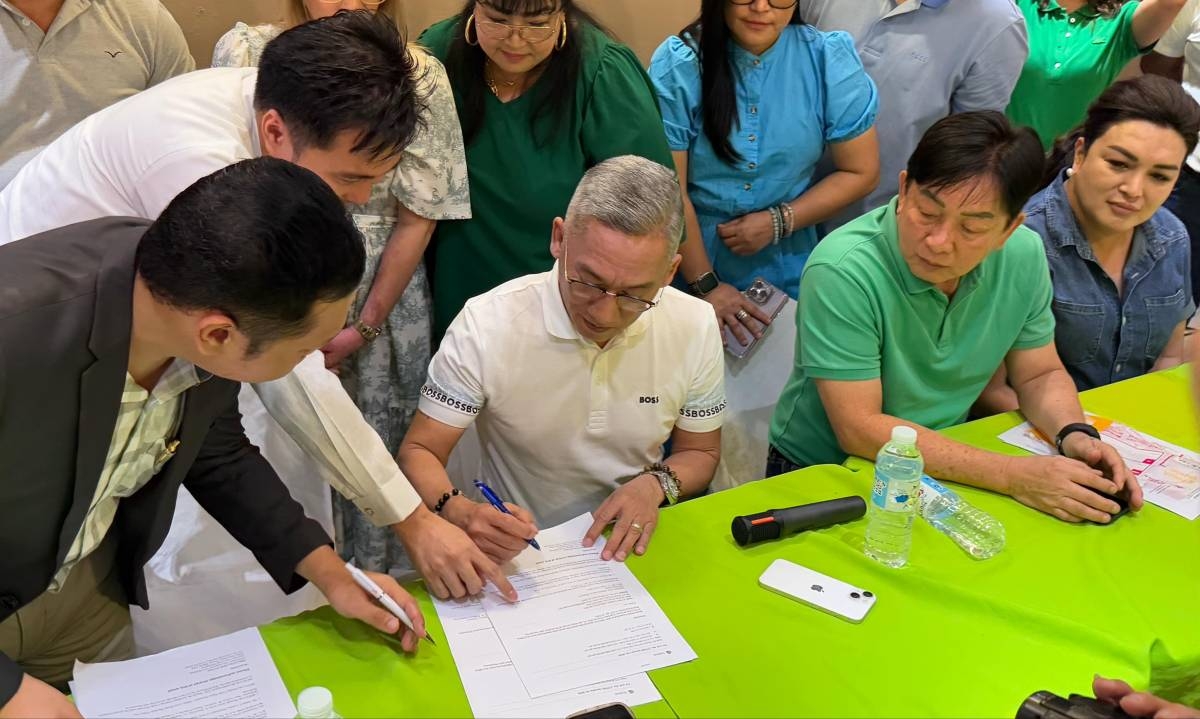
580,619
1169,475
230,676
492,685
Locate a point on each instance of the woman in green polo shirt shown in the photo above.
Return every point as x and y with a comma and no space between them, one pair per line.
543,94
1076,49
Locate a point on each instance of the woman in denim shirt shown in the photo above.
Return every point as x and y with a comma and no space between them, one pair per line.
1120,262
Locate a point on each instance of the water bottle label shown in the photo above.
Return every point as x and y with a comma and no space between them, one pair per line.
929,488
886,496
879,491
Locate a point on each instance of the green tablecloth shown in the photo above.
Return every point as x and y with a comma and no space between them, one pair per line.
949,636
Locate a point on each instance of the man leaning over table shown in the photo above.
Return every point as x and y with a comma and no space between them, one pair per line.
122,345
904,312
577,377
340,96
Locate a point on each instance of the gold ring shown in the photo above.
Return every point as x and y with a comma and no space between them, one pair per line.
742,314
636,527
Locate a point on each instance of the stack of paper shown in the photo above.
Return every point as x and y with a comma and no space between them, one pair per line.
584,633
230,676
1169,475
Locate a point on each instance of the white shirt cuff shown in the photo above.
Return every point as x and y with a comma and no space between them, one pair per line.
313,408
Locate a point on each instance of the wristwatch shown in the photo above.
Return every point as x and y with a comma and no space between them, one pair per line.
667,480
1087,429
704,284
369,333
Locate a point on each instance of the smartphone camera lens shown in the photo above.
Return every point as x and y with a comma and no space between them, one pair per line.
868,594
855,595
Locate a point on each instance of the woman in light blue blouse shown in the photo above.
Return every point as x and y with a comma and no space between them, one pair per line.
1120,261
751,98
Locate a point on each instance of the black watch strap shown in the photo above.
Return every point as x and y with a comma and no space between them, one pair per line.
704,284
1072,428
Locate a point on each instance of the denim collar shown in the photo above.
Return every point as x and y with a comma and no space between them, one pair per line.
745,59
1062,228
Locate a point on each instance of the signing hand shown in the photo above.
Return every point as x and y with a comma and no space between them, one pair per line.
500,536
343,344
328,573
727,302
634,507
1139,704
747,234
450,562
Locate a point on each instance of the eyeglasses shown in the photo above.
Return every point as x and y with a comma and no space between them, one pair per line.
528,33
587,292
369,3
777,4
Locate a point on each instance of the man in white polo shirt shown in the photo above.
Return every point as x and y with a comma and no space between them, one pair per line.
577,377
339,96
65,59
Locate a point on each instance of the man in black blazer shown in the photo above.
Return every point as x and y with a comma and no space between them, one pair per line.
122,346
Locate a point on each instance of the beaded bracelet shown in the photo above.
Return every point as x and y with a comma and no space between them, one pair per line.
437,508
776,225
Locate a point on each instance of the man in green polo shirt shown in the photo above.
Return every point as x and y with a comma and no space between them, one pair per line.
905,313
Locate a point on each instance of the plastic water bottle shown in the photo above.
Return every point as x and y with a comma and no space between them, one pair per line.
898,469
316,703
978,533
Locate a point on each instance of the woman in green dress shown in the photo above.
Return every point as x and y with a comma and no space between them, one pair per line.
543,95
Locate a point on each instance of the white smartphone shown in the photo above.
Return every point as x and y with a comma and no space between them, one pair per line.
830,595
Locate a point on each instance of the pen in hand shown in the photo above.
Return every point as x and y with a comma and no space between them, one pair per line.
377,593
494,500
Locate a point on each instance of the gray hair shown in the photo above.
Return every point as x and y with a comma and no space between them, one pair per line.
633,196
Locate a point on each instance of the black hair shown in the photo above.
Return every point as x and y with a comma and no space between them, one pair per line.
554,92
1149,98
351,71
983,145
1105,8
710,37
261,241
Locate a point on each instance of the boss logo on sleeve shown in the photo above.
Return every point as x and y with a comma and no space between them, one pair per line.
648,399
441,397
689,413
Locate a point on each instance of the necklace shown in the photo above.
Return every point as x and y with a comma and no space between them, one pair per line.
491,82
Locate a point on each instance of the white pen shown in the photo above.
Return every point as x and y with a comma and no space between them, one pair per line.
382,597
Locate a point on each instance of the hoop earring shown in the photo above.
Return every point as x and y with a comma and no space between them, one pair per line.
562,36
470,25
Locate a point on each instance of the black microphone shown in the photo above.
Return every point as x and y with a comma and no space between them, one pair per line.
775,523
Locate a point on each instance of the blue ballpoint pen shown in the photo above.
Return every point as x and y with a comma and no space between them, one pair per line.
494,500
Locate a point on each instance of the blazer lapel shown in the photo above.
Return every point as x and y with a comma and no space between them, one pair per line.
101,384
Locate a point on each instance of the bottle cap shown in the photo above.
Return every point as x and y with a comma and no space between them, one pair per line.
904,435
315,703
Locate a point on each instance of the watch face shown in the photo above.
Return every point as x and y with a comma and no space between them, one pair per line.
706,283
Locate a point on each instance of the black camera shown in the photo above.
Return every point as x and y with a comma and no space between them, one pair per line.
1047,705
